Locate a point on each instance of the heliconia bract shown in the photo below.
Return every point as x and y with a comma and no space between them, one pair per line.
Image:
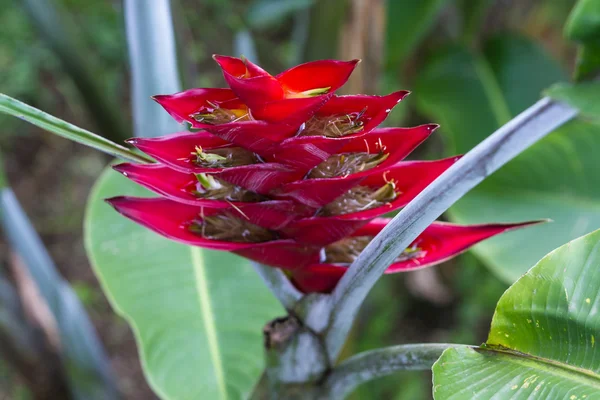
282,171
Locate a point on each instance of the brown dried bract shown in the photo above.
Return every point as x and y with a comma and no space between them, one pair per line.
231,228
215,115
211,188
346,164
223,157
333,126
360,198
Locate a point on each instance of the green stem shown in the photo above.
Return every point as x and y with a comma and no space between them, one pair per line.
495,151
279,285
14,107
378,363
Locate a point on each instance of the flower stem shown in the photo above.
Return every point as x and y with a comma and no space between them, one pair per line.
495,151
279,285
378,363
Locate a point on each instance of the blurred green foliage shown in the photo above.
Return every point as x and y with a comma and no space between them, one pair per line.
471,64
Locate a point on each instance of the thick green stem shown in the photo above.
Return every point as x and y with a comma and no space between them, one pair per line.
495,151
378,363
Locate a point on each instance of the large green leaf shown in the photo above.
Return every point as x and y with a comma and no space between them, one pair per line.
471,95
197,315
406,24
542,343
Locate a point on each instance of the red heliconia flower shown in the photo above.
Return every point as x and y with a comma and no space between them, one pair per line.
289,97
436,244
283,171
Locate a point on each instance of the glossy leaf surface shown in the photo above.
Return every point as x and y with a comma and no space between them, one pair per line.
542,343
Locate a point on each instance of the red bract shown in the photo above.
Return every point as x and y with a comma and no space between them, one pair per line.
436,244
284,172
290,97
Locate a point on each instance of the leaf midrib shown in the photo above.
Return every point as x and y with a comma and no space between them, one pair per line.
208,320
582,375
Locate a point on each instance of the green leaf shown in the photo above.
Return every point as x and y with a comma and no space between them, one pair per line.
583,26
583,96
473,13
14,107
406,24
481,374
265,13
197,314
473,94
542,343
588,61
554,179
516,63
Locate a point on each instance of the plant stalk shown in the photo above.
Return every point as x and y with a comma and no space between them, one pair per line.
495,151
374,364
280,285
18,109
151,43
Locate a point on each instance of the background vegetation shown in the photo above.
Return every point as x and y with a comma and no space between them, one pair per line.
471,64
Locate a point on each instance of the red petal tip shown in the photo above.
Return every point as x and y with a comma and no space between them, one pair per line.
159,98
122,168
219,58
432,127
399,95
116,202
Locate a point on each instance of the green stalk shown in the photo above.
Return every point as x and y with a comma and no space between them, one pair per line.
14,107
495,151
375,364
